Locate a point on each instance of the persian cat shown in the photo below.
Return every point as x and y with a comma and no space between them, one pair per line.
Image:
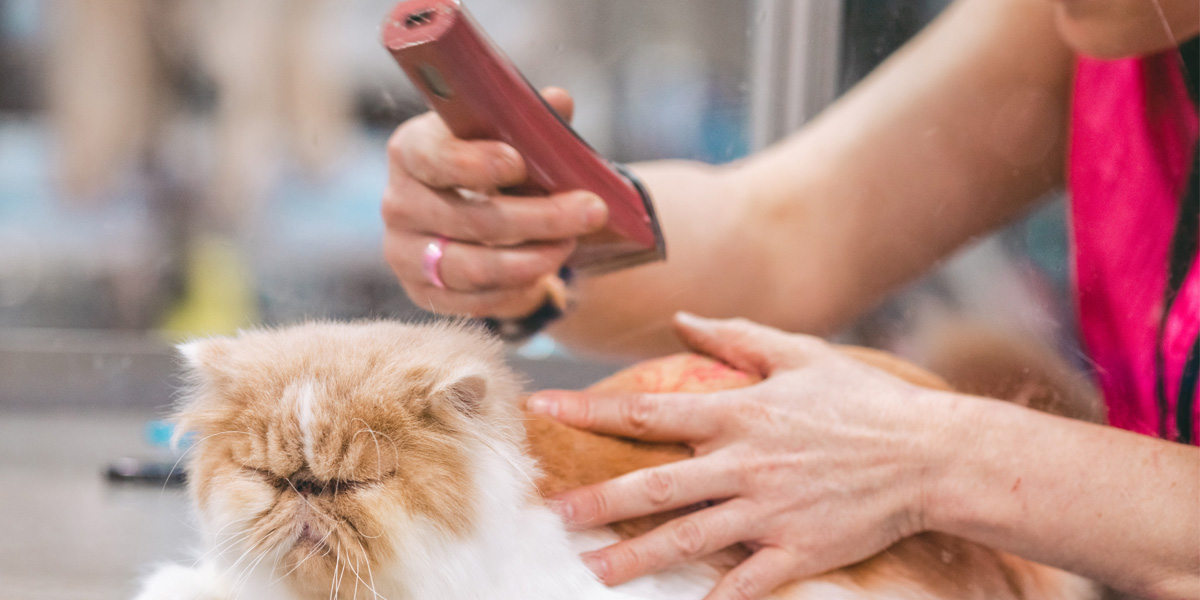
392,461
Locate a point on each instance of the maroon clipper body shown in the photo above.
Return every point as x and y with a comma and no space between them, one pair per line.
481,95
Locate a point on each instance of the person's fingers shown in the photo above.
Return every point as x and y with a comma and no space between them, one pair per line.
651,417
424,148
746,345
560,101
468,268
493,220
648,491
757,576
688,537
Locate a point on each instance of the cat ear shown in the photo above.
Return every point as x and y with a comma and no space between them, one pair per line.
205,356
461,397
466,393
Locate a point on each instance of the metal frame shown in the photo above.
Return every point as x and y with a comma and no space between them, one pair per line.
794,58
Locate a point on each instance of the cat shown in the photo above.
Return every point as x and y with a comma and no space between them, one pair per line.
392,460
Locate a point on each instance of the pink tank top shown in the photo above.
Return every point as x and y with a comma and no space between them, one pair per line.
1133,131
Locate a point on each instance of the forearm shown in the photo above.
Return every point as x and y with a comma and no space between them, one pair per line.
956,134
1118,507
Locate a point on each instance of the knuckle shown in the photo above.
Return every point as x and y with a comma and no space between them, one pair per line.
555,219
688,538
760,473
475,275
747,413
395,207
594,505
396,142
627,558
747,477
637,412
660,487
403,148
742,587
465,164
754,472
581,412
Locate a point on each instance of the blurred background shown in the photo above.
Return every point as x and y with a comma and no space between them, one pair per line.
174,168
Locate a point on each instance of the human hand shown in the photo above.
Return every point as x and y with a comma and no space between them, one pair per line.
499,251
819,466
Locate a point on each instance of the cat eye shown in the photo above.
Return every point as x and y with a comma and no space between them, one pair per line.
307,485
265,475
260,472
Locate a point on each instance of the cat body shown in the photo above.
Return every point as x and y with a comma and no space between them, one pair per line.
389,460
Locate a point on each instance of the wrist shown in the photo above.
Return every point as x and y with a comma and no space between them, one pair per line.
555,304
947,431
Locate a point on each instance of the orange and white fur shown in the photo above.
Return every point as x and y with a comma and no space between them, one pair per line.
388,460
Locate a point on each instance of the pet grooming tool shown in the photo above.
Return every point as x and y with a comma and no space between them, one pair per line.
481,95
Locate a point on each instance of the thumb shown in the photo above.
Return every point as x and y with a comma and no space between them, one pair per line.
746,345
560,101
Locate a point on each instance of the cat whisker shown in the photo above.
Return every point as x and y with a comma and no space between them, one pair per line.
184,454
358,532
367,560
266,542
244,578
310,554
357,579
222,529
518,468
374,436
335,585
358,575
242,571
221,547
237,563
310,505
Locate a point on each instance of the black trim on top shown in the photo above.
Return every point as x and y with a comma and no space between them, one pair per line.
1186,403
1185,241
1189,52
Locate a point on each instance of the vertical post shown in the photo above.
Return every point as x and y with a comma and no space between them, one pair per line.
795,51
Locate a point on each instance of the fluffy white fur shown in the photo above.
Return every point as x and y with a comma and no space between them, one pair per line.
519,550
294,391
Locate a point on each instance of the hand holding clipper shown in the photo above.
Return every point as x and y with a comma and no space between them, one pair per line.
481,96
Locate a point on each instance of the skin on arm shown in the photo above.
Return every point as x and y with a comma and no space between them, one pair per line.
1116,506
956,134
829,461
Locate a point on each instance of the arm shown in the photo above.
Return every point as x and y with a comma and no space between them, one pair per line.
829,461
956,134
1115,506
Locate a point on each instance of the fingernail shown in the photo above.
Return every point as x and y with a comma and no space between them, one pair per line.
562,509
596,564
691,321
595,212
541,405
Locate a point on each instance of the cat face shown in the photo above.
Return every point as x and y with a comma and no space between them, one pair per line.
320,443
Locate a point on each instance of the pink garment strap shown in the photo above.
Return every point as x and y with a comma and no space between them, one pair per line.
1132,138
